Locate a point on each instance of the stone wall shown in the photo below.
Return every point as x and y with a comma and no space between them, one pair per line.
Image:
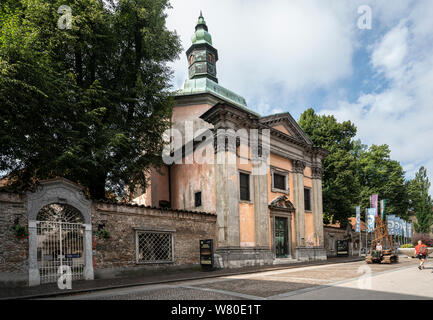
111,256
13,251
118,253
332,234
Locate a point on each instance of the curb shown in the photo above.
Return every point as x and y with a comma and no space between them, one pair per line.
120,286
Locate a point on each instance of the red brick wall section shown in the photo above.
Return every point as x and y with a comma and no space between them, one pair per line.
120,221
13,251
119,251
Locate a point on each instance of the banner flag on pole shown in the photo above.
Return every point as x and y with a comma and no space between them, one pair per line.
373,202
410,229
400,226
391,224
371,214
358,219
382,208
396,225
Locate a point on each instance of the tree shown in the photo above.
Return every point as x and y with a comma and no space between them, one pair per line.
91,103
379,174
340,183
420,201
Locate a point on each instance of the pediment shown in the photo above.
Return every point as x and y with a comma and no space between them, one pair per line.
282,203
285,124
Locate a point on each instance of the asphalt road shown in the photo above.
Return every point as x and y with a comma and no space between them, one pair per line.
355,280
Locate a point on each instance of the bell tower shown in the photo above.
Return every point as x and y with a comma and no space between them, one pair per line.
202,56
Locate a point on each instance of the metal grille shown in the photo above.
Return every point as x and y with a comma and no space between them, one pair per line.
154,247
60,213
59,243
60,236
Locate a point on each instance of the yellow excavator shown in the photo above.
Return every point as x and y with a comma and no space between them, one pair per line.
380,234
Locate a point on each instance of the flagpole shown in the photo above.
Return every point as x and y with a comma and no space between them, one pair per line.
366,231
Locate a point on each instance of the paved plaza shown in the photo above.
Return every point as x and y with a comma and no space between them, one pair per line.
355,280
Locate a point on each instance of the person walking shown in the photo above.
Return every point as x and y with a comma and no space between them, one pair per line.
422,253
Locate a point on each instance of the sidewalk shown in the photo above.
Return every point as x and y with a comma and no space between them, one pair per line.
150,277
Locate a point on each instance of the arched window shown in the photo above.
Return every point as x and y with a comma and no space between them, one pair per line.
191,59
56,212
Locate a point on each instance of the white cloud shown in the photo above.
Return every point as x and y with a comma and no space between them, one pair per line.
295,45
281,50
390,53
400,115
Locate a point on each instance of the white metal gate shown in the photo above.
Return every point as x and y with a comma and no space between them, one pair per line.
60,242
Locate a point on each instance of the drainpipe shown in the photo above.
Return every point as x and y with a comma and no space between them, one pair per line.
169,185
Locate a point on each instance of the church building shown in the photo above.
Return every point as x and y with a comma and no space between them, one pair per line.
269,218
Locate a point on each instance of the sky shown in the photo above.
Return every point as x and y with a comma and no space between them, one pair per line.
288,56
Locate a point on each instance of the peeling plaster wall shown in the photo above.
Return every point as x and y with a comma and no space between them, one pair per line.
190,178
246,209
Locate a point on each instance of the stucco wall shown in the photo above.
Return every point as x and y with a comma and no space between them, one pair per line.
186,180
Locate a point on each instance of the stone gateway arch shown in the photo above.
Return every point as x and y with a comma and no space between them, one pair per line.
60,232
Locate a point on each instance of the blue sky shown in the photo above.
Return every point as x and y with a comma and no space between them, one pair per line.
291,55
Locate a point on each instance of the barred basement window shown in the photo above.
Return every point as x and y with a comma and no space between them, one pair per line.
154,247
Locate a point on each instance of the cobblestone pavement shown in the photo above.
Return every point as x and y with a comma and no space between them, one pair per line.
148,277
337,281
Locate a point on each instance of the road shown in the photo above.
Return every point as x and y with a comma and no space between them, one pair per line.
355,280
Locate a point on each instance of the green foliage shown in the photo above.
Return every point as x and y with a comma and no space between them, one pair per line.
378,174
89,104
340,184
420,201
19,231
353,171
408,245
102,234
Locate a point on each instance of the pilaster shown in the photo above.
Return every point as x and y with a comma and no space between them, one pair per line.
317,203
298,195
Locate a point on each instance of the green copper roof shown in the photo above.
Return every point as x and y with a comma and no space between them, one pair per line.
205,85
201,34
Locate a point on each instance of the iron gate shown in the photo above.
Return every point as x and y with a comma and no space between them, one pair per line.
60,242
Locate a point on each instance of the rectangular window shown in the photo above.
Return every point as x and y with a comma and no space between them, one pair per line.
197,199
279,181
154,247
307,199
244,184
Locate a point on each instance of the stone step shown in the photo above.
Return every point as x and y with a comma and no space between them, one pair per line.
284,261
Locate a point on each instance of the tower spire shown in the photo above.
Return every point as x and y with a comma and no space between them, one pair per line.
202,56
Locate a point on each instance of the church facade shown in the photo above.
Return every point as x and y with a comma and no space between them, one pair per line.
263,217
